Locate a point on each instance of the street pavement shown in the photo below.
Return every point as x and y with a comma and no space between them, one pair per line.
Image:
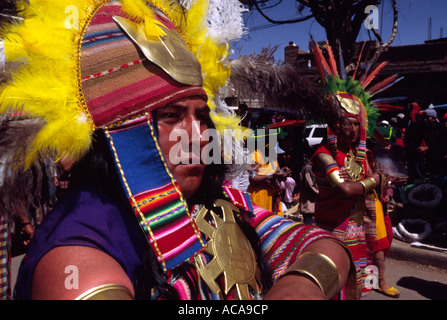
414,281
418,273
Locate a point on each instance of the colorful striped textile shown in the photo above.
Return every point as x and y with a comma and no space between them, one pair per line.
239,198
5,260
336,214
283,240
120,83
371,203
331,168
354,237
153,194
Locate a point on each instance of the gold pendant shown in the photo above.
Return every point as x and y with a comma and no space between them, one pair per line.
355,171
232,253
353,168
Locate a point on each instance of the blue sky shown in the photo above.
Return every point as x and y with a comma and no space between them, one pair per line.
413,26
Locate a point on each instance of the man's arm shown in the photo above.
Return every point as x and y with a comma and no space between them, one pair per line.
67,272
346,188
297,286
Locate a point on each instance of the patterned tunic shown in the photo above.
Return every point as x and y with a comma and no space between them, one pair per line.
334,213
5,260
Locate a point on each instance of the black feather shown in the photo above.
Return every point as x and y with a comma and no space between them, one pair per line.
20,187
281,86
8,11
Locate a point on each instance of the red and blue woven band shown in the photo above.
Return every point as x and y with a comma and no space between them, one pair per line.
154,195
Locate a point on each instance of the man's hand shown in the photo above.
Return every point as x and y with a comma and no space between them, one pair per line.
344,175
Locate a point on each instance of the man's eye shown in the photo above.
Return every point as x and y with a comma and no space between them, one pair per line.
168,115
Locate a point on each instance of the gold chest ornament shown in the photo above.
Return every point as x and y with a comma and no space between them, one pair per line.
232,253
354,169
356,172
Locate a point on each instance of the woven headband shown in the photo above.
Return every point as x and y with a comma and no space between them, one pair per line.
118,80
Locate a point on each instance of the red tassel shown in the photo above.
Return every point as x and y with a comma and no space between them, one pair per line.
382,84
332,62
358,61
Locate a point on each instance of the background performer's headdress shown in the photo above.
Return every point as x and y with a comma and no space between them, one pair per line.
279,86
352,96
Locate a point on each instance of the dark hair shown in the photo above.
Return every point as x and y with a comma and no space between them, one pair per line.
97,169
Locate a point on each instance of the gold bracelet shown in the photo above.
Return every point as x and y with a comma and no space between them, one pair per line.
368,184
321,269
111,291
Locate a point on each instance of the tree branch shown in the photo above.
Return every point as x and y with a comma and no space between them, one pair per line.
383,46
281,21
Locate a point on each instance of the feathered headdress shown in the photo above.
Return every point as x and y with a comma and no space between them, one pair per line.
47,44
352,96
50,95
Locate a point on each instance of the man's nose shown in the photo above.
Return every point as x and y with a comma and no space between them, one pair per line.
195,130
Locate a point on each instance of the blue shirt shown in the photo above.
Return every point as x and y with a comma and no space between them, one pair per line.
84,217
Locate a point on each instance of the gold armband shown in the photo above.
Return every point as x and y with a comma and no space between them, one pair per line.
321,269
112,291
324,161
368,184
334,178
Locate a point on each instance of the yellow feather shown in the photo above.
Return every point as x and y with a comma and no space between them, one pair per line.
136,10
152,29
44,87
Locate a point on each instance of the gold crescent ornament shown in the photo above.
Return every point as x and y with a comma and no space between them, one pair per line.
167,50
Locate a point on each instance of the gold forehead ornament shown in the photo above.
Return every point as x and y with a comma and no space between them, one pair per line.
169,52
352,106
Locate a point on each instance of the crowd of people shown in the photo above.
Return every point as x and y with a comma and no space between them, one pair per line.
410,146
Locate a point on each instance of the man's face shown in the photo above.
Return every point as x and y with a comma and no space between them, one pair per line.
349,130
184,118
430,121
